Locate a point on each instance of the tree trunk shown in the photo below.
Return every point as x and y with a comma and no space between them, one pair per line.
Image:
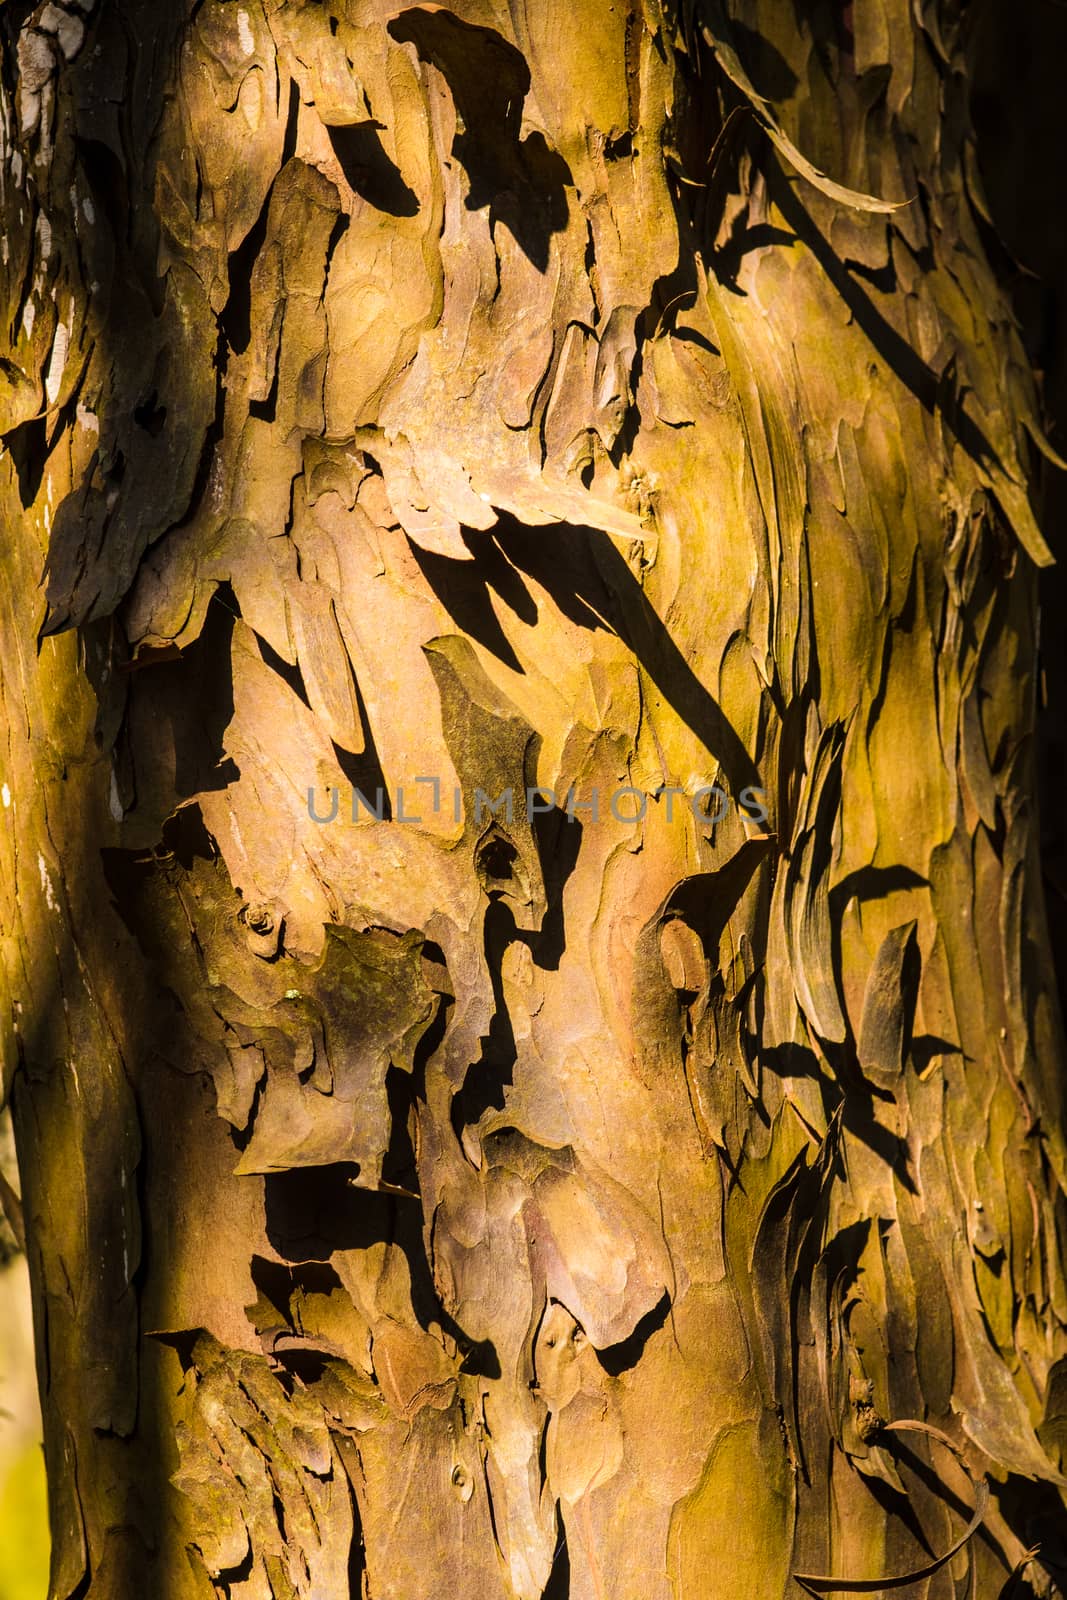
525,995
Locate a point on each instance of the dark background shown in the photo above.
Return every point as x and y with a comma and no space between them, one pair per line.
1019,106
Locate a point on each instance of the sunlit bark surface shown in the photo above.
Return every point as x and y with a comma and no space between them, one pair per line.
608,410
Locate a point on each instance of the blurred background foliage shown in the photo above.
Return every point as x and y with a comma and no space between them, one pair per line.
23,1505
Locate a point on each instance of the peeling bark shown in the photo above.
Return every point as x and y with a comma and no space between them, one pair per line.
525,997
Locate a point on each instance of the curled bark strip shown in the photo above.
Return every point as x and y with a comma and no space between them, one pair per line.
830,1585
1043,445
731,65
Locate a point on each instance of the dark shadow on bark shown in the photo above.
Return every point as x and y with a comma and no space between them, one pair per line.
624,1356
487,1078
313,1211
370,171
559,843
589,579
558,1586
932,389
463,589
521,180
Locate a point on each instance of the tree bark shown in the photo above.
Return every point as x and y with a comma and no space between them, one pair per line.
525,995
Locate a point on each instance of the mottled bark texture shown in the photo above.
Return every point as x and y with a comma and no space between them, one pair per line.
554,1202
